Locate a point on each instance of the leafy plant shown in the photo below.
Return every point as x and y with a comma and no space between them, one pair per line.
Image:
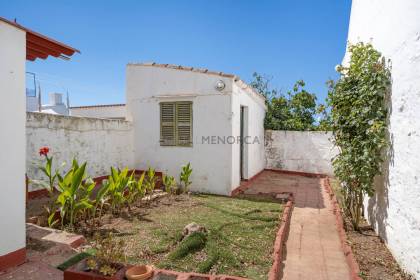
184,177
136,190
47,169
151,179
102,197
117,184
169,183
109,254
75,192
359,124
297,110
52,176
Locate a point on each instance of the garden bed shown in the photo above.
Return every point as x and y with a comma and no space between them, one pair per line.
239,241
373,257
240,238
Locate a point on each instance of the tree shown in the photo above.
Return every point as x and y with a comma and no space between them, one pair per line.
294,111
359,124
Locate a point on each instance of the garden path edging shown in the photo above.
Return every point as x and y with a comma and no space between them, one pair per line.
351,260
280,241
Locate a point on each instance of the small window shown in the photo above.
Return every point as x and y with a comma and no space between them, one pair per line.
176,123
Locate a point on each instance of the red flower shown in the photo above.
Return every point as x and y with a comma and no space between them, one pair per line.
44,151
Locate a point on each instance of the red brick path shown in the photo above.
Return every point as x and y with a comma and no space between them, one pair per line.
313,248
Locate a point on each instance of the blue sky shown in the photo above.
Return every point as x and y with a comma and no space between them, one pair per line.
285,39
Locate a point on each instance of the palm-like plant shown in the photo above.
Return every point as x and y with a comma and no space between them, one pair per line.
151,180
136,190
169,183
75,192
184,177
117,184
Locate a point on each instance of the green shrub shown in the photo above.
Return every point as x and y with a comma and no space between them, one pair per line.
359,124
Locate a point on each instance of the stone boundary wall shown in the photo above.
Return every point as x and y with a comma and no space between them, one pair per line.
102,143
303,151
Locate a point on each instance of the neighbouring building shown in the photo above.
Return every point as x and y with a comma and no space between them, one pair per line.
184,114
55,105
109,111
393,27
18,44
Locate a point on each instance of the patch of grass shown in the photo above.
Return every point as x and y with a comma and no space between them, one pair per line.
210,261
194,242
240,238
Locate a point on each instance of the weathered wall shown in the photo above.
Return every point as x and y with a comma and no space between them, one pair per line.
393,27
305,151
102,143
12,138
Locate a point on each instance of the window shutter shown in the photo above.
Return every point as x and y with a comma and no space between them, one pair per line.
167,124
184,123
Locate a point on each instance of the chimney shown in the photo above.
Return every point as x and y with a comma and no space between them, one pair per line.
56,99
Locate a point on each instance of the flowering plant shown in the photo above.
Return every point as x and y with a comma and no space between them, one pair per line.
44,151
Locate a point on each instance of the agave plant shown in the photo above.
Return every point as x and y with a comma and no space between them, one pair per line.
184,177
75,193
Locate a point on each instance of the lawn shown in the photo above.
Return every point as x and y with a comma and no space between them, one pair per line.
239,241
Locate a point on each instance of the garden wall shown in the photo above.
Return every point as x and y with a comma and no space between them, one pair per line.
304,151
100,142
394,210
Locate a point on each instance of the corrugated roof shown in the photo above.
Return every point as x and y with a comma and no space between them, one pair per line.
40,46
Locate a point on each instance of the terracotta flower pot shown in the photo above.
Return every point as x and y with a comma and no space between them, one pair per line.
139,272
79,271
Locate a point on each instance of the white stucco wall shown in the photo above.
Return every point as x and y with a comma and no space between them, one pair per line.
102,143
12,138
304,151
102,111
254,158
393,27
212,116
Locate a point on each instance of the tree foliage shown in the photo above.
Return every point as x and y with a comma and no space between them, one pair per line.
296,110
359,124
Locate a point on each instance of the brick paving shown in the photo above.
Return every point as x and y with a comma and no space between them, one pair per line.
313,248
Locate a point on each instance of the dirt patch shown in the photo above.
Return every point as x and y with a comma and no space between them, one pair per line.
374,259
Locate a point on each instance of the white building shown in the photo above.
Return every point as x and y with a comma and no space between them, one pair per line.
183,114
18,44
108,111
56,105
393,27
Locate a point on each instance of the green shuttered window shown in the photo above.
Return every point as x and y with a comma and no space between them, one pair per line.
176,123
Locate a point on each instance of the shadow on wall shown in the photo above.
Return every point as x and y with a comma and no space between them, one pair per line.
377,205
